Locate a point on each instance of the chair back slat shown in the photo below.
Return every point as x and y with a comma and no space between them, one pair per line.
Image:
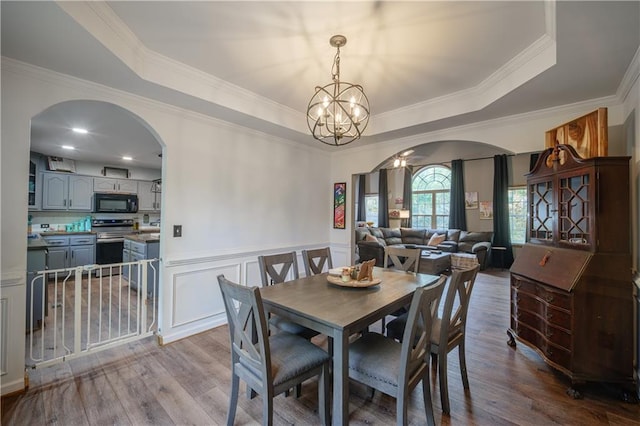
402,258
247,325
417,333
458,296
316,259
275,268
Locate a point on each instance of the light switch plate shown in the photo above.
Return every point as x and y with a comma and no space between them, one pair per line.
177,231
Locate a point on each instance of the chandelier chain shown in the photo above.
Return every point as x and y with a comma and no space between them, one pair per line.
335,70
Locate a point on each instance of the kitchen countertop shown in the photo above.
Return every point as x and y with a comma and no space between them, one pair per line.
65,233
144,237
36,244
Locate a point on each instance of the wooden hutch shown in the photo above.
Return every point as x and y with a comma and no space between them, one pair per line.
571,284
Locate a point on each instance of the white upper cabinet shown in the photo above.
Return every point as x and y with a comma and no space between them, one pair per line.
115,185
149,196
66,192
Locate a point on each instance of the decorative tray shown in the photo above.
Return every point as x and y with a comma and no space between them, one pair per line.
353,283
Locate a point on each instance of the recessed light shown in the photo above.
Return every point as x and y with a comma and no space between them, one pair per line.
68,147
127,158
80,130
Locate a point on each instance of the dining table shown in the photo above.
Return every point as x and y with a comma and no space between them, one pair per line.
340,311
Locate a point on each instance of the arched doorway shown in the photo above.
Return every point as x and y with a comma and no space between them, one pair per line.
83,151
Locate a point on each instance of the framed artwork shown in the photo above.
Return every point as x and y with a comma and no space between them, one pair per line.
339,204
486,209
587,135
470,200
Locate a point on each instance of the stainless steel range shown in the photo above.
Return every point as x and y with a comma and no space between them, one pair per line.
110,239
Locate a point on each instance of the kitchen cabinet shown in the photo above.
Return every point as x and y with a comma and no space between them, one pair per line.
149,196
37,257
66,192
571,284
58,252
140,250
115,185
82,250
71,251
35,183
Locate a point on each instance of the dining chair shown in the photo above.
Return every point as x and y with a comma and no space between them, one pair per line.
405,259
449,330
402,258
274,269
275,363
394,368
315,260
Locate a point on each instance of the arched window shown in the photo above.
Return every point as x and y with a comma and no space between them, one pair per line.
430,189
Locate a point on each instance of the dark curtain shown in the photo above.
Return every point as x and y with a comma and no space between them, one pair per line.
457,213
362,208
406,195
383,200
501,232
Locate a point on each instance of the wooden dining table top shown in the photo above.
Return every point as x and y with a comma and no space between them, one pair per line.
340,307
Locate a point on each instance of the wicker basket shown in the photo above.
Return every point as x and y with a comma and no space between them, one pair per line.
463,260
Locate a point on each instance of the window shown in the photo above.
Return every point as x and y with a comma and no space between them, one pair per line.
371,203
518,214
431,189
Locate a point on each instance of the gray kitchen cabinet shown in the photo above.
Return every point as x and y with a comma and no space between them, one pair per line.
138,250
115,185
58,252
36,291
149,196
82,250
126,257
35,182
71,251
66,192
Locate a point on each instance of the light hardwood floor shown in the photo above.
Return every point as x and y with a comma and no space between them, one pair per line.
187,382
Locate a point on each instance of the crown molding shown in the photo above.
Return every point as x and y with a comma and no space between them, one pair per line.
104,25
100,92
630,77
535,59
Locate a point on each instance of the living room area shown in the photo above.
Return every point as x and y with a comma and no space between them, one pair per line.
419,207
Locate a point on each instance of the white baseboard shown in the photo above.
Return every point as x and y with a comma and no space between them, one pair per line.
190,331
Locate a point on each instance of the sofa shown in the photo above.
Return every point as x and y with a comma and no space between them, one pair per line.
372,241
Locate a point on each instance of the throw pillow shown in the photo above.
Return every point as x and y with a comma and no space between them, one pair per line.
436,239
371,238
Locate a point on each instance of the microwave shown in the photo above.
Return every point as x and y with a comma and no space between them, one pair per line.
115,203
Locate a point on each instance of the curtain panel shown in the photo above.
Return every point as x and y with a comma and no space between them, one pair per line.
383,199
457,212
501,229
362,208
406,195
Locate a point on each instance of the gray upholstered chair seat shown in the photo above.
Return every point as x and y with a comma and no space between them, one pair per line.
291,327
291,356
376,357
395,328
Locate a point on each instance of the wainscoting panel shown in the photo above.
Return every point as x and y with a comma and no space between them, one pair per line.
196,294
4,305
192,302
252,273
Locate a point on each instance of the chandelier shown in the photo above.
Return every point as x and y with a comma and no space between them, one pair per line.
338,113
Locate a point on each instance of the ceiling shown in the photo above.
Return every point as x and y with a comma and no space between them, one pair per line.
424,65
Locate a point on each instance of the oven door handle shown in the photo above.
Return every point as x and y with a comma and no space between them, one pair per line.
109,240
